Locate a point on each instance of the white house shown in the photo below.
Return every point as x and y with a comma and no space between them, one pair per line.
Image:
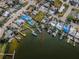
72,31
6,13
77,36
61,9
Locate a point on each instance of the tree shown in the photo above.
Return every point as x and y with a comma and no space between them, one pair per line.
70,18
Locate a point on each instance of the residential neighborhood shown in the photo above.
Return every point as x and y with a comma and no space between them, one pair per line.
40,28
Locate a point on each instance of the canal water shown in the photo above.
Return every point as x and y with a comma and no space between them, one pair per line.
46,47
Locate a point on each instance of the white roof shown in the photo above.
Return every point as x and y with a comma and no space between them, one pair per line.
51,12
6,13
47,4
43,21
72,31
78,15
53,23
77,35
44,9
8,33
61,8
19,21
59,26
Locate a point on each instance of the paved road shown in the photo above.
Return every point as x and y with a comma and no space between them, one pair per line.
18,13
67,13
13,17
1,32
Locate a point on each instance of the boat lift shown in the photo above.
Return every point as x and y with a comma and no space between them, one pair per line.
7,54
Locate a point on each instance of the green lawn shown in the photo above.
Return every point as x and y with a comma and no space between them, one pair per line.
2,49
39,16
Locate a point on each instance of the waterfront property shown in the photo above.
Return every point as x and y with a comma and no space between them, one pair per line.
35,30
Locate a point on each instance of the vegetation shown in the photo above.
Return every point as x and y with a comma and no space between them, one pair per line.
70,18
66,5
60,14
40,15
1,23
57,3
3,49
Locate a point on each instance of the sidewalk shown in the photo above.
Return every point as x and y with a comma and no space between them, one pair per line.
13,17
1,32
67,13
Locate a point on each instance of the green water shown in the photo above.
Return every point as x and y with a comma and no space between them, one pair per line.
46,47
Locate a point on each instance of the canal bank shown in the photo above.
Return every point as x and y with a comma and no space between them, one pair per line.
46,47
